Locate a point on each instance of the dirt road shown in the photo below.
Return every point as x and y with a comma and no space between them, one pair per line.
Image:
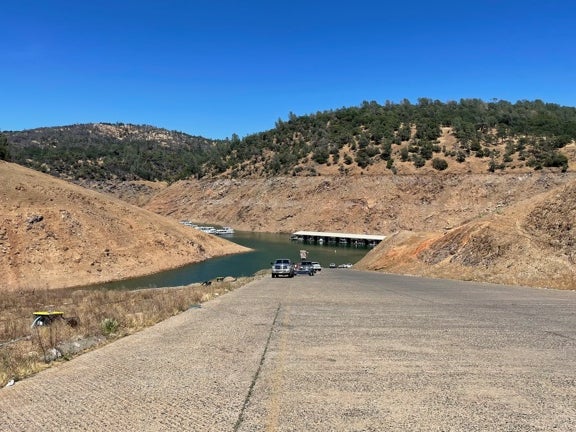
340,351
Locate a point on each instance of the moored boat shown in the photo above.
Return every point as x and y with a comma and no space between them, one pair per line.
224,231
207,229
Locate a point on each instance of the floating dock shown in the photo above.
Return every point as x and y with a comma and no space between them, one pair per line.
344,239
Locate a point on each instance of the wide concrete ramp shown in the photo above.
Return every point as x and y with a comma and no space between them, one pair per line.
340,351
189,373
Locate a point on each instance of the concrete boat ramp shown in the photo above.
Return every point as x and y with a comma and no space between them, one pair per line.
341,351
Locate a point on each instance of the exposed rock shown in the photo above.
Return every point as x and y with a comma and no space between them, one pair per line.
530,243
69,348
35,219
506,228
375,204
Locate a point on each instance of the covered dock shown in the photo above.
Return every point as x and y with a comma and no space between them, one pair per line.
344,239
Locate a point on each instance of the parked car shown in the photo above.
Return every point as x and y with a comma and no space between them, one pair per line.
282,267
316,266
305,267
332,265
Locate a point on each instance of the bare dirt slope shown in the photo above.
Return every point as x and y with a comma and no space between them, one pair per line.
482,226
506,228
531,243
375,204
54,234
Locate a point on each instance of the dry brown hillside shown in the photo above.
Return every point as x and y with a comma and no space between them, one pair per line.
482,226
54,234
506,228
530,243
357,204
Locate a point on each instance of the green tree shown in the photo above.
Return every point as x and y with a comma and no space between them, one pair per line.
426,150
362,158
386,151
4,152
321,155
404,132
404,154
555,159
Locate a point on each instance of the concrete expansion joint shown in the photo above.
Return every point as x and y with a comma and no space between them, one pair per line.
257,374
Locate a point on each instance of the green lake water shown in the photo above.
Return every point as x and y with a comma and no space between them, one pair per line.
266,248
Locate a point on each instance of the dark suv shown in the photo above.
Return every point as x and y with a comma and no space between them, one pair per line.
282,267
306,267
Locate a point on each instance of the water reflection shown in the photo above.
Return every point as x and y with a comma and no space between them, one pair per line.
266,247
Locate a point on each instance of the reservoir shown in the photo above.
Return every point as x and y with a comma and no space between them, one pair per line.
266,248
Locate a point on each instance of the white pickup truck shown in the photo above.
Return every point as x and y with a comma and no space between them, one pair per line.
282,267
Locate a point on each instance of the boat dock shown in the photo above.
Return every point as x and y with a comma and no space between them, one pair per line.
344,239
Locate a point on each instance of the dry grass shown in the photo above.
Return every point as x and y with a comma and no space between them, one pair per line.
102,315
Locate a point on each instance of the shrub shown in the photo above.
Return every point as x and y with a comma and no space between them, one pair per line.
460,156
419,161
439,164
109,326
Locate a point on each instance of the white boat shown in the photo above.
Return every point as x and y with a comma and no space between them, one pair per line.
188,223
224,231
207,229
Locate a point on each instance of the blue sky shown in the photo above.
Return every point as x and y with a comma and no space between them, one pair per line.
215,68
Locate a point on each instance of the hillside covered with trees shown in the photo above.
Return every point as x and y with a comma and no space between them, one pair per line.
497,135
102,151
501,134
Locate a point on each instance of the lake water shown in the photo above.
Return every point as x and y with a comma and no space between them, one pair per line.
266,248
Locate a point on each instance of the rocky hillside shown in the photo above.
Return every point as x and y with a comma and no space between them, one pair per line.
357,204
529,243
453,185
54,234
502,228
505,228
